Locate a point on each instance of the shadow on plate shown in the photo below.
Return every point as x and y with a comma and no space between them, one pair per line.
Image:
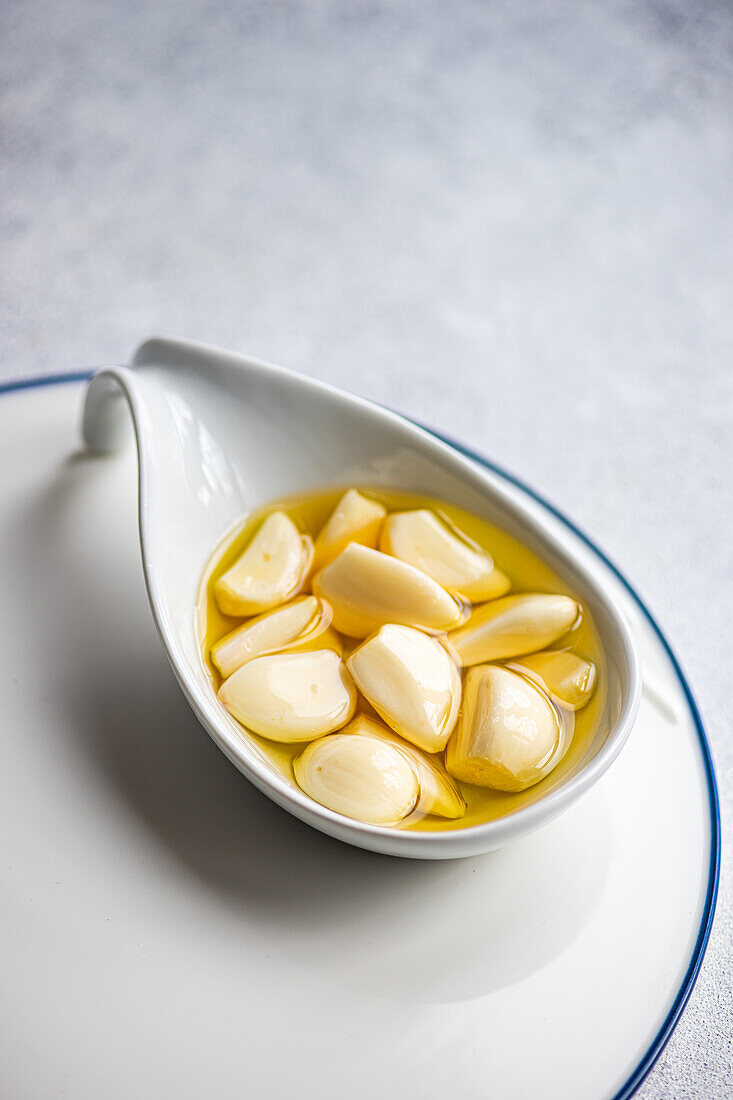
412,931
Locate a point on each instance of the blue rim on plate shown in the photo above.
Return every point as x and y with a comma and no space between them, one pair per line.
662,1037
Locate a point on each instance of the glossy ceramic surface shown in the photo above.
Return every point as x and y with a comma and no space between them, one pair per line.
218,435
166,930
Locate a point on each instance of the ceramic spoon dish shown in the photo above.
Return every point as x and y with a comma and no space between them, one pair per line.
218,435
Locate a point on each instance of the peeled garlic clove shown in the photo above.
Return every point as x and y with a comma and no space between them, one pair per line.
354,519
507,734
291,696
270,571
439,794
303,619
359,776
571,679
412,683
367,589
512,626
449,557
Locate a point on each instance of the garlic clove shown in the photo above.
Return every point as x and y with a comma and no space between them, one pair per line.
513,626
354,519
412,683
291,697
508,733
569,678
421,539
367,589
359,776
439,793
270,571
303,619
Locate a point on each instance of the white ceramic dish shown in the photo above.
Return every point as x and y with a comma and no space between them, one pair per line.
167,931
218,435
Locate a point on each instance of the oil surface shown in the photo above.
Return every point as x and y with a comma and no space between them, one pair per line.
528,573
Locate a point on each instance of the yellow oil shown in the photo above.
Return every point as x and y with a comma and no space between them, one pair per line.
527,572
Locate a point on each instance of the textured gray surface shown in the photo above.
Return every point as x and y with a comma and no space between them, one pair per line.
512,220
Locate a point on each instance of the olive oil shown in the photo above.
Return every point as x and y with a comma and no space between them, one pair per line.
526,571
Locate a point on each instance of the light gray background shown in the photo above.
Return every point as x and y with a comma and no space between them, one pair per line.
512,220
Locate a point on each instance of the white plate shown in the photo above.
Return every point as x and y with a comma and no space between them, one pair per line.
165,930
